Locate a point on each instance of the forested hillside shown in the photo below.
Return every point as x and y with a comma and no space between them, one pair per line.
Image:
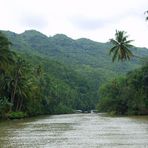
126,95
60,74
32,85
88,58
81,53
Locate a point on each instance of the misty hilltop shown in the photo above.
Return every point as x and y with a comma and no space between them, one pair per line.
88,57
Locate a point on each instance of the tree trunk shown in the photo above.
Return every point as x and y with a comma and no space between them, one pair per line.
13,94
17,105
21,103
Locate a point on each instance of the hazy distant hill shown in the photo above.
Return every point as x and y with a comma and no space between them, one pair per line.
82,63
89,58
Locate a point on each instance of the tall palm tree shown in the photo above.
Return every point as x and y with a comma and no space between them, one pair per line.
18,75
121,47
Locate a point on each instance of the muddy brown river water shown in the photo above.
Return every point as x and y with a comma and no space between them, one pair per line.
75,131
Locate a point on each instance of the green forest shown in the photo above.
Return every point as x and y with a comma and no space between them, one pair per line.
125,95
56,75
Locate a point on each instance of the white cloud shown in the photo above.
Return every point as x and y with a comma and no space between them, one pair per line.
94,19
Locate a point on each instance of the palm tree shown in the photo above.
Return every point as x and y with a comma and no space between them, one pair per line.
18,75
121,47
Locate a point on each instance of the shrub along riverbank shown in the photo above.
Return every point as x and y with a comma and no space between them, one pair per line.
126,95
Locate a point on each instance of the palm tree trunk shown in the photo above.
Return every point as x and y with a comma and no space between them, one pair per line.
21,103
17,105
13,94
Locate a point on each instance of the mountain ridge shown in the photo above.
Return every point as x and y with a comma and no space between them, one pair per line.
80,53
87,58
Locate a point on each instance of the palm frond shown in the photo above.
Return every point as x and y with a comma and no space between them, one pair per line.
129,41
112,50
115,55
114,42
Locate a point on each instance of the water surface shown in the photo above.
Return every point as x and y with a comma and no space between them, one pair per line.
75,131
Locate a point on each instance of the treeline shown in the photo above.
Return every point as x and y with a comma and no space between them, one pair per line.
89,59
126,96
31,85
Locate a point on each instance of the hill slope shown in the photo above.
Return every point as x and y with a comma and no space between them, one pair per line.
90,59
81,53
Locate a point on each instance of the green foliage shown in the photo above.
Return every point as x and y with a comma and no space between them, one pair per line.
4,106
16,115
32,87
36,85
73,61
63,109
6,56
127,95
56,74
121,47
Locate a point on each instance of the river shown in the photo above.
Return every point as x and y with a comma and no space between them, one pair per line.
75,131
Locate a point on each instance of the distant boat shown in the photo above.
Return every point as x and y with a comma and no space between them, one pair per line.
77,111
95,111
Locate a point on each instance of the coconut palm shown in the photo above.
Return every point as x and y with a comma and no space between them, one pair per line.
18,76
121,46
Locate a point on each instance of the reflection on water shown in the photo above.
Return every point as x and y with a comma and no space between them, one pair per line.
75,131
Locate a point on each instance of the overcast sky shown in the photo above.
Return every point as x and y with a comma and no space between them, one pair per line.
93,19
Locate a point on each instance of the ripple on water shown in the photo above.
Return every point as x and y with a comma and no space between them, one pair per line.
76,131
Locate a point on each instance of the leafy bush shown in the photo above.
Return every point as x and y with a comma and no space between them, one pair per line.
4,106
17,115
63,109
126,96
